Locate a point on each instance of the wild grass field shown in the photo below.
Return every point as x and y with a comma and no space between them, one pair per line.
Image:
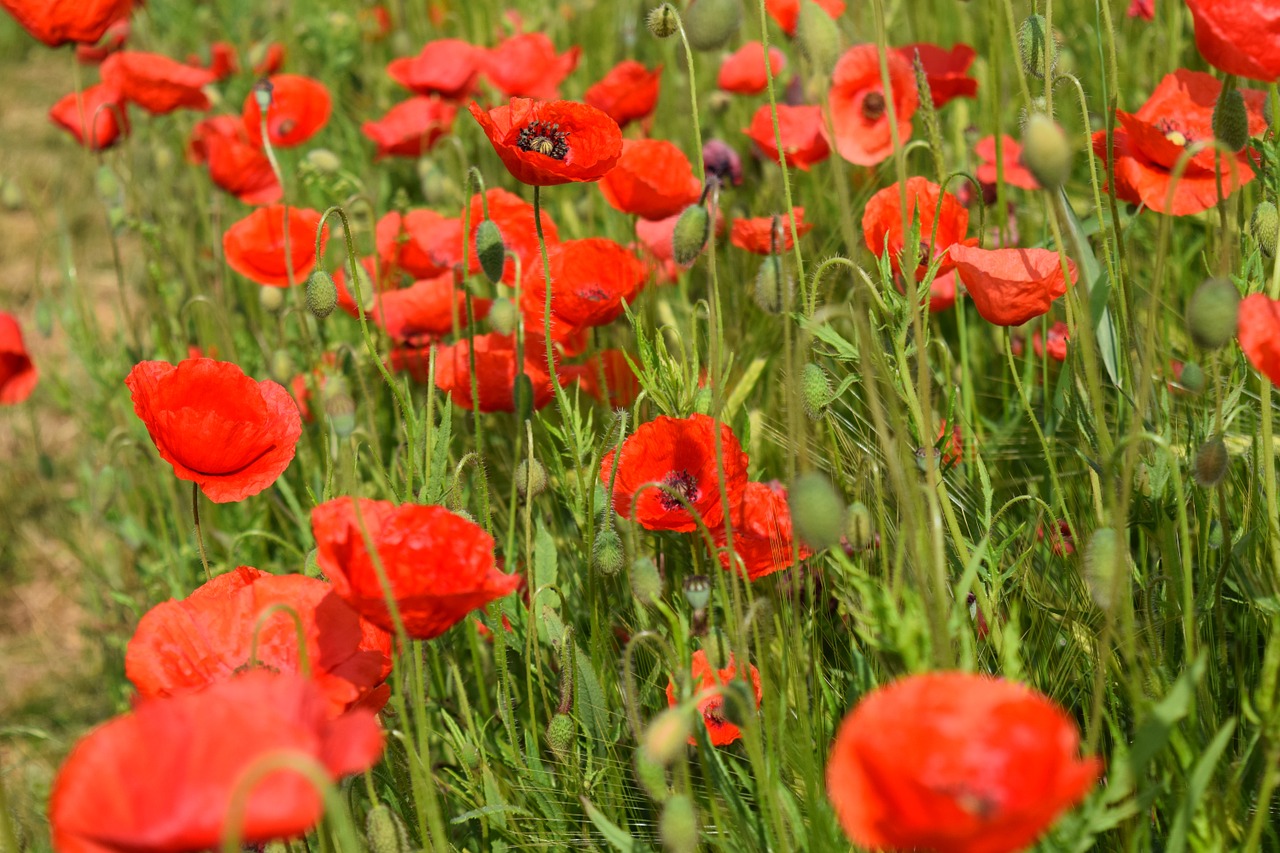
916,492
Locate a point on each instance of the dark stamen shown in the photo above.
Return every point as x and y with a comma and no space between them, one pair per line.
545,139
681,482
594,293
873,106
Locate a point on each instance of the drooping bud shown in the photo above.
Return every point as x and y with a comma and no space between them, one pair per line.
1230,120
1211,463
815,390
531,478
859,526
1032,43
1046,152
646,580
662,21
666,736
690,234
678,825
1101,564
1264,226
491,249
606,553
503,316
1213,312
816,511
271,299
322,294
1192,378
385,831
773,285
282,367
817,36
324,161
560,735
709,24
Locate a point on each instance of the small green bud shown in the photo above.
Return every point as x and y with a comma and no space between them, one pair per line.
271,299
690,234
709,24
1101,559
646,580
503,316
817,36
816,511
1264,226
1032,42
1212,313
324,161
385,831
678,825
1046,152
1211,463
341,411
859,526
322,294
652,776
1215,534
491,249
697,591
815,390
606,554
773,285
666,736
663,21
560,736
282,366
1192,377
531,478
1230,120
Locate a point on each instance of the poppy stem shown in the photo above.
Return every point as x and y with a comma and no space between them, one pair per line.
195,514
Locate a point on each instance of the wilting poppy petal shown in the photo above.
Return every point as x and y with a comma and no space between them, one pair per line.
590,280
412,128
705,677
743,72
1010,286
768,235
804,137
1240,37
17,373
445,67
859,109
762,536
652,179
1259,334
787,12
56,22
543,143
629,92
941,227
946,70
255,246
300,107
1014,173
157,83
527,66
101,109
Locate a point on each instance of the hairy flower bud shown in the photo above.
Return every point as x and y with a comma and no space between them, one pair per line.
491,249
817,36
1213,312
503,316
1032,44
663,21
1211,463
859,526
1230,120
560,736
606,554
271,299
385,831
667,734
646,580
322,294
772,285
678,825
1192,378
531,478
709,24
324,161
690,234
1264,227
282,366
1046,152
1101,563
816,510
815,390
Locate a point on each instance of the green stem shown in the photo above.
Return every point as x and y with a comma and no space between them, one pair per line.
195,514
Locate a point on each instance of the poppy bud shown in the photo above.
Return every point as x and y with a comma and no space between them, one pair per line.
1031,45
1264,226
859,526
1230,121
666,736
322,294
1212,313
531,478
721,160
816,511
1211,463
271,299
697,591
1046,152
817,36
678,825
772,285
646,580
282,367
503,316
690,234
1100,564
606,553
815,389
663,21
491,249
560,736
652,777
324,161
708,24
385,831
1192,377
340,409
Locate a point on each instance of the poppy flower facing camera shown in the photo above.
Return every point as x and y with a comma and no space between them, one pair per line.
544,143
860,104
705,677
255,246
300,107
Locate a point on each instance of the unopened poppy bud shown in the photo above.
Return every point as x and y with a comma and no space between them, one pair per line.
709,24
772,285
503,316
690,234
531,478
606,553
491,250
282,367
560,736
322,294
666,736
1192,377
1032,40
1213,312
385,831
1046,152
663,21
271,299
1100,567
678,825
324,161
816,510
1230,120
1211,463
738,702
437,186
262,94
646,580
815,390
1264,226
652,776
817,36
859,526
340,409
697,591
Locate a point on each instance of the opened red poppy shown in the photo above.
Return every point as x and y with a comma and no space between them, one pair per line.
652,179
427,309
610,368
1259,334
217,632
412,128
1144,9
946,70
768,235
804,136
1056,346
496,370
300,107
95,117
439,565
543,143
218,428
112,40
223,60
161,778
787,12
56,22
270,58
1010,167
1150,142
17,373
1240,37
940,227
1011,286
629,92
860,105
590,280
706,677
157,83
235,164
743,71
445,67
762,536
678,454
955,763
255,246
527,66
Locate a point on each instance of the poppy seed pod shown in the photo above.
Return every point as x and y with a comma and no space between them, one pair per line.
708,24
772,285
815,390
606,553
1046,152
1211,463
282,366
271,299
697,591
1032,41
1264,226
678,825
385,831
1213,312
1192,377
1100,565
663,21
322,294
491,250
1231,119
503,316
666,735
690,234
646,580
560,735
816,510
817,36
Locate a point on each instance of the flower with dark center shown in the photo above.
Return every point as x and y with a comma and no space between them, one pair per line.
546,139
590,279
683,484
860,108
531,138
873,106
720,731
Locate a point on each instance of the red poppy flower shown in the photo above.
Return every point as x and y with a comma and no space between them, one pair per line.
17,373
955,763
1150,142
112,40
218,428
235,165
223,61
768,235
946,70
1259,334
96,115
254,246
543,143
804,136
762,537
705,677
445,67
883,226
1059,334
743,72
426,309
161,778
787,12
1010,286
1015,174
652,179
156,83
300,106
679,454
1144,9
439,565
514,218
496,369
56,22
215,633
590,279
271,59
1240,37
1061,542
412,128
413,242
527,66
859,111
624,386
629,92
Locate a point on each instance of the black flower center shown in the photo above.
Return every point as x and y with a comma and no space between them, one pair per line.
545,139
682,483
873,106
714,711
594,293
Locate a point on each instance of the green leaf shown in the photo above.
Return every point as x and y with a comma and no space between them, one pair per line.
544,558
1199,781
743,388
1154,732
618,838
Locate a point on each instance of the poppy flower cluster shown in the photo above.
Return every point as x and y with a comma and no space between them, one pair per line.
720,731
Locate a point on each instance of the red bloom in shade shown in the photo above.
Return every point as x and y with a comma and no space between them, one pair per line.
181,646
112,40
1061,542
768,235
412,128
743,72
526,66
1015,174
1150,142
589,280
629,92
679,454
156,83
254,246
705,677
445,67
413,242
103,113
161,778
56,22
1144,9
1011,286
1059,334
426,309
235,165
496,369
859,111
300,106
653,180
439,566
17,373
946,70
762,537
544,143
804,137
1259,334
624,387
218,428
787,12
882,224
955,763
1240,37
